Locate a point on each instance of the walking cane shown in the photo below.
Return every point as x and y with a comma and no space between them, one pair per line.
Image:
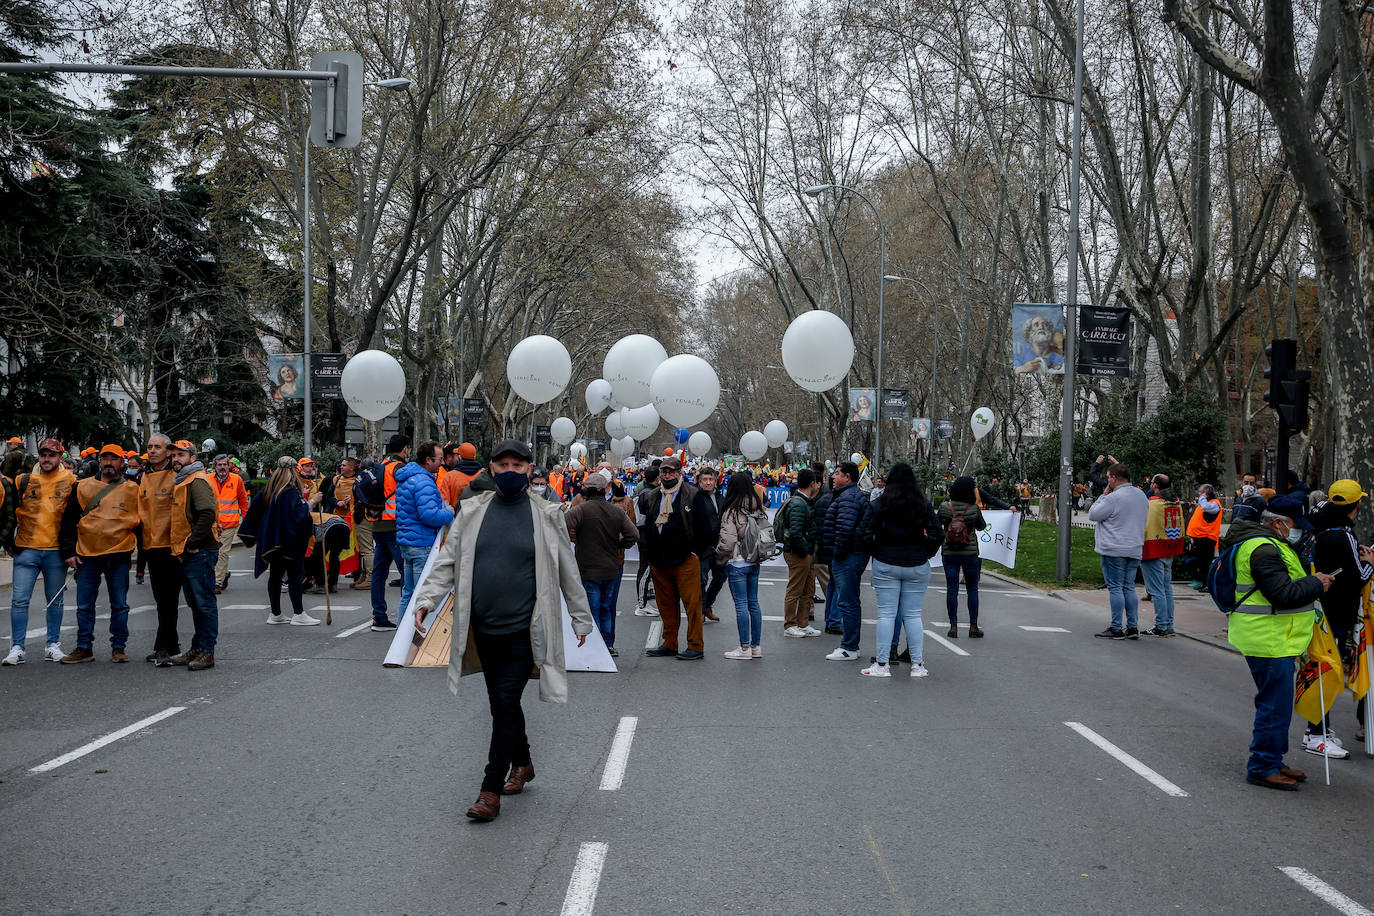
324,564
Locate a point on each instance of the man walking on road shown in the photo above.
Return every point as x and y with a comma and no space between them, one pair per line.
43,494
195,546
97,540
1120,513
672,544
713,574
1271,626
231,498
1163,542
508,563
840,532
420,513
155,518
377,488
796,527
600,531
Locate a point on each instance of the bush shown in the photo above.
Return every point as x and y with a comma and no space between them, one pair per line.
262,456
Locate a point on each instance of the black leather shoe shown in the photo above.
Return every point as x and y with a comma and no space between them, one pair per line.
660,652
691,655
834,631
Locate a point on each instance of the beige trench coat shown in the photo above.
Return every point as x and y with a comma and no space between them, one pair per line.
555,572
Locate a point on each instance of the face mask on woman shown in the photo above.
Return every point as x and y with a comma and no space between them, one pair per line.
538,489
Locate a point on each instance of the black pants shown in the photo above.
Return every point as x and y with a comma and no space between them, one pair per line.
165,571
294,573
506,664
713,578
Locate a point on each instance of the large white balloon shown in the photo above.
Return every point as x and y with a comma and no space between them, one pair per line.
629,367
640,422
981,421
538,368
686,389
817,350
598,395
776,433
623,447
373,384
753,444
699,442
563,431
615,425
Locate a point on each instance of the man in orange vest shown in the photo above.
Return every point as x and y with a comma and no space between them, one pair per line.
155,517
231,499
376,489
43,495
194,544
97,540
1204,529
460,475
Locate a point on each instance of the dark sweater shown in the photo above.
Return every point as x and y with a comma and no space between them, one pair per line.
503,586
600,531
900,538
1337,552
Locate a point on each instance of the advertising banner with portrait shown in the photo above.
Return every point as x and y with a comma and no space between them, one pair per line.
284,375
863,404
1037,338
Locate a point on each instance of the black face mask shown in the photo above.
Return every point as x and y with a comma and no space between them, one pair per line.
510,483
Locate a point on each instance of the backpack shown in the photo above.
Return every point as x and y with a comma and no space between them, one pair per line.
956,533
758,543
1221,580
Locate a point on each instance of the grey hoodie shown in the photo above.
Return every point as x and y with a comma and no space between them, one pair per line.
1120,517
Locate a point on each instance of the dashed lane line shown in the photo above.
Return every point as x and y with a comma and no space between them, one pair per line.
619,755
586,879
112,737
931,634
1325,892
1043,629
351,630
1140,769
655,635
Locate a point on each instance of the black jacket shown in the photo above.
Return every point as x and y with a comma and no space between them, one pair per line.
822,509
1337,552
840,532
902,539
683,534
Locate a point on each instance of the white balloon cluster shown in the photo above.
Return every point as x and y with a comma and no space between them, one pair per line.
686,390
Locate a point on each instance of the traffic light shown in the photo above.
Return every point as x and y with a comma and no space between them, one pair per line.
1289,387
336,109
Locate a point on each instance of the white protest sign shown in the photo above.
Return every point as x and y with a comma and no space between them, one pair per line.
997,541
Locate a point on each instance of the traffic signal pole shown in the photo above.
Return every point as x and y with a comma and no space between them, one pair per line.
1289,390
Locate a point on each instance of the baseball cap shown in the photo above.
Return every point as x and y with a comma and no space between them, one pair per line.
87,451
184,445
14,440
597,480
467,451
51,445
112,449
131,454
1345,492
512,447
306,460
1294,506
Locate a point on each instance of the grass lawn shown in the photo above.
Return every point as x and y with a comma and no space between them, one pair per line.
1035,556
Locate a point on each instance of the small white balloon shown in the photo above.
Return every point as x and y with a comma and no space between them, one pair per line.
373,384
598,395
686,389
857,457
629,367
776,433
615,425
563,430
817,350
753,444
640,422
538,368
623,447
699,443
981,422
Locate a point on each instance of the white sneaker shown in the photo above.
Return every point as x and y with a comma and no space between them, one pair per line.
739,652
876,670
919,670
842,655
16,656
794,632
304,620
278,618
1331,736
1314,744
53,652
810,631
756,651
645,612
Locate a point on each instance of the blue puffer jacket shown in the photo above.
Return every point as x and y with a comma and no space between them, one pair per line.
840,531
420,510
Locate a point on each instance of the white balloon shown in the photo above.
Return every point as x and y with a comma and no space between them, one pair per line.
577,452
776,433
685,389
373,384
538,368
753,444
640,422
699,442
615,425
623,447
598,395
629,367
982,421
563,430
817,350
857,457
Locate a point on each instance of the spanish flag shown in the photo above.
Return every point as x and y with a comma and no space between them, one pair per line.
1357,672
1320,678
348,560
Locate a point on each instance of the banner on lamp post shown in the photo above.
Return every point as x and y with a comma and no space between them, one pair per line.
1104,342
542,436
944,429
474,412
326,374
896,404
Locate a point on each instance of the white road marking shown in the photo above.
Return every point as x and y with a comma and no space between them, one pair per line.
351,630
112,737
41,631
931,634
245,607
619,754
337,607
586,878
1326,892
1044,629
655,635
1159,782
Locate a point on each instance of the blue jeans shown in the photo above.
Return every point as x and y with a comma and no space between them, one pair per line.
615,594
383,552
601,595
744,588
1273,713
27,566
845,575
412,564
1119,574
832,609
1159,576
198,577
900,590
114,569
971,567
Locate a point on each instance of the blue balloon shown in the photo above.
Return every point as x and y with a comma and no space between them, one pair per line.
681,436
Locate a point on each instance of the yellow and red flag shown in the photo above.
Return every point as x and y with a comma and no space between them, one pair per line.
1320,678
1357,671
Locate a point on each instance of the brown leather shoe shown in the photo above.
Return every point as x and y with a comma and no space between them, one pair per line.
1274,781
364,585
710,615
1293,774
119,656
486,808
515,782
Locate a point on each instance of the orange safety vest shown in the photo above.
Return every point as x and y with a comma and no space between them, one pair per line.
231,500
180,531
155,506
41,504
109,527
557,483
1199,527
389,490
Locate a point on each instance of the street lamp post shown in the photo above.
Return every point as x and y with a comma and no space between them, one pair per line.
815,191
1063,556
934,346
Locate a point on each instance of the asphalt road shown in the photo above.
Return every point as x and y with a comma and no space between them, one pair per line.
299,776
